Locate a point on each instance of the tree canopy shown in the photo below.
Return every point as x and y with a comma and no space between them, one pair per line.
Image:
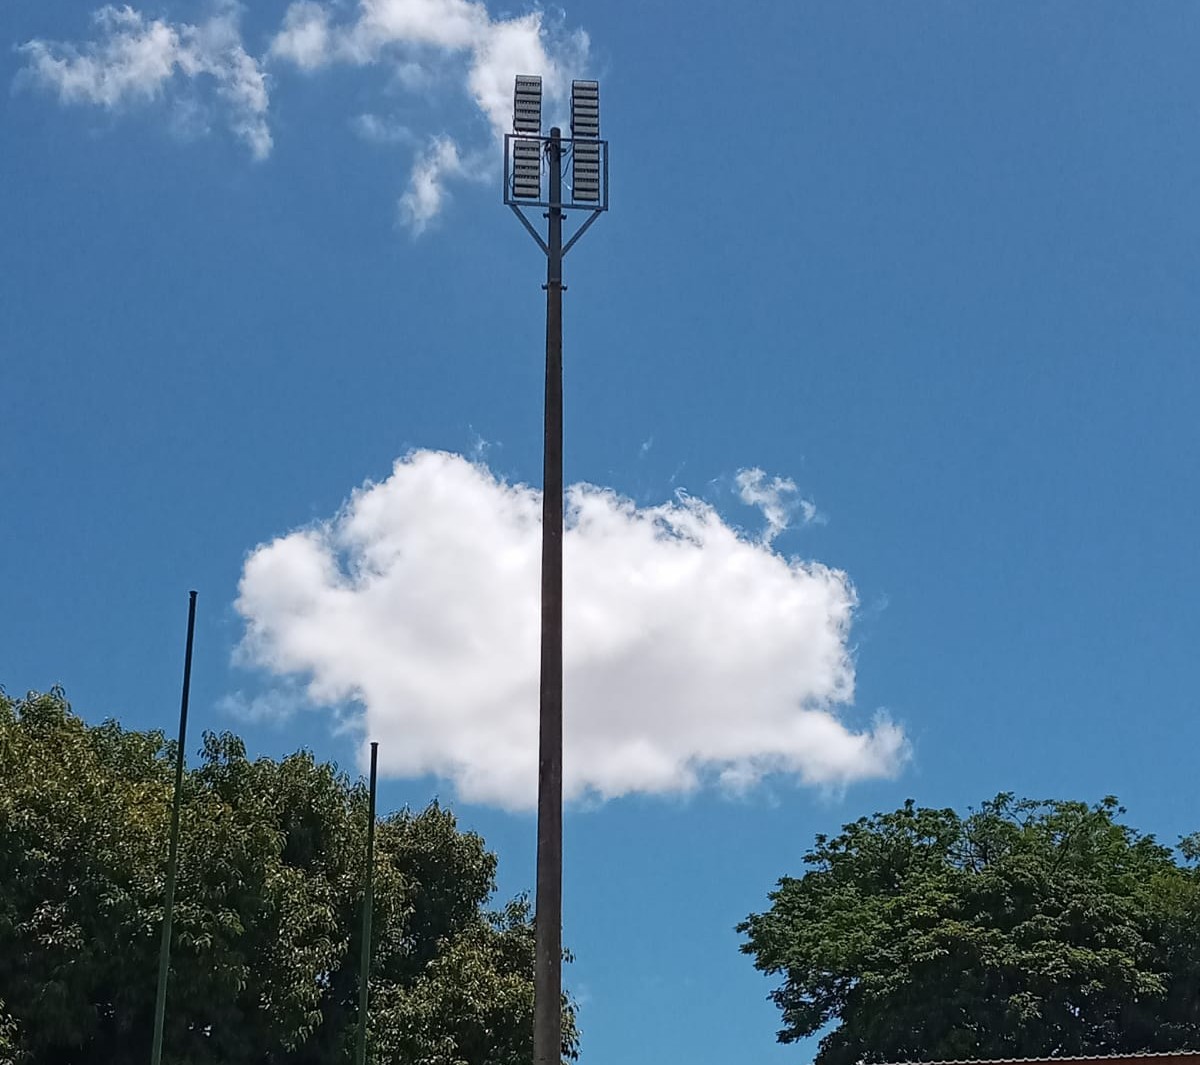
268,908
1025,928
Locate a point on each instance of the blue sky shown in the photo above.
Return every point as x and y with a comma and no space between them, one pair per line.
933,264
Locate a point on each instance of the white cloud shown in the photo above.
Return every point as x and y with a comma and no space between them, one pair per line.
691,653
778,499
274,705
136,60
521,46
423,44
399,32
379,130
408,35
426,193
304,38
452,24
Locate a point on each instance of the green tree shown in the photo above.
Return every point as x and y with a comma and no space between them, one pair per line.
268,908
1022,929
9,1037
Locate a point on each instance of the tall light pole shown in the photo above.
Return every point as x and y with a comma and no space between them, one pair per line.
164,954
364,966
528,157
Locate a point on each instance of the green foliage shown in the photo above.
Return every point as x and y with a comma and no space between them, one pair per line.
1023,929
267,917
9,1038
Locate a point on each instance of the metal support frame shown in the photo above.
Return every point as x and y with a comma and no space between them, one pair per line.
566,146
587,222
529,228
547,1019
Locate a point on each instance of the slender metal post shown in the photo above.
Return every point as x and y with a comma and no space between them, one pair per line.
547,1003
364,966
164,954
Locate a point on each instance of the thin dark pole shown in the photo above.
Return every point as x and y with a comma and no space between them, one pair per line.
364,965
164,954
547,1002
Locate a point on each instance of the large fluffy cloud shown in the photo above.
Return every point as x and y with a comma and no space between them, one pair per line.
692,651
136,59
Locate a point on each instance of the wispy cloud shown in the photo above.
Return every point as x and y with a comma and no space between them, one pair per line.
379,130
305,38
274,705
777,498
401,33
411,37
692,654
426,193
136,60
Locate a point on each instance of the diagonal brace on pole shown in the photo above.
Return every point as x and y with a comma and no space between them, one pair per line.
580,231
529,227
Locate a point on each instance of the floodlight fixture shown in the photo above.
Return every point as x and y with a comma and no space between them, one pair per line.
527,104
585,171
585,109
527,169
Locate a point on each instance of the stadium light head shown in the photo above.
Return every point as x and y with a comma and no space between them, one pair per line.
585,171
527,104
585,151
527,169
536,161
585,110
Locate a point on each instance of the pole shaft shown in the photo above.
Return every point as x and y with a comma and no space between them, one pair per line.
164,954
364,967
547,1010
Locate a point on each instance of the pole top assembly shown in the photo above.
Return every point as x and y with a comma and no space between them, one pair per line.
527,147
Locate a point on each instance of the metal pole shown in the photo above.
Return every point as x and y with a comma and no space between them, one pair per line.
164,954
364,967
547,1003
